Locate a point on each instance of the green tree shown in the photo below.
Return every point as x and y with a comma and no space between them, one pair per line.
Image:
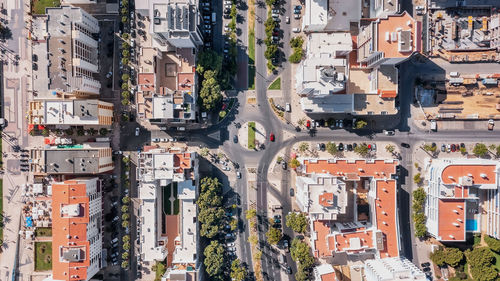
124,19
271,51
222,114
125,45
362,149
125,223
438,257
125,61
208,60
126,54
126,238
390,148
419,195
80,132
211,221
214,258
497,151
210,93
453,256
303,147
103,131
493,243
279,159
417,179
125,216
125,102
253,239
297,55
463,150
479,257
430,148
274,235
360,124
234,224
238,271
299,250
297,222
124,264
126,95
296,42
125,200
294,163
126,246
480,150
331,148
125,86
126,36
125,77
251,213
204,151
124,208
125,255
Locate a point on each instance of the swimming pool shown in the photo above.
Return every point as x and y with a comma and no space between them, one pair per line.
471,225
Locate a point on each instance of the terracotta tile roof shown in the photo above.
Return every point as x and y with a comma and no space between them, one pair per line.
379,169
344,242
386,217
69,232
186,81
387,93
328,277
146,81
392,24
182,161
475,171
326,199
451,219
321,244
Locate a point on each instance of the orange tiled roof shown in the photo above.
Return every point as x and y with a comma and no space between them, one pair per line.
328,277
342,242
69,232
387,93
393,23
386,217
182,161
451,219
321,244
458,171
379,169
186,81
325,198
146,81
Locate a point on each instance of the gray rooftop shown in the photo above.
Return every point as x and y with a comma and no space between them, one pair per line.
86,109
72,161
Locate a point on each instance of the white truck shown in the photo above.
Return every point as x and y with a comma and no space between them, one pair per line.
433,125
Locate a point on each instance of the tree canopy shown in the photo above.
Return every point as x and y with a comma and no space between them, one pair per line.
238,272
210,92
297,222
480,150
274,235
493,243
214,258
331,148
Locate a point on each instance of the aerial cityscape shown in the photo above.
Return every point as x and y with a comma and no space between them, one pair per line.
240,140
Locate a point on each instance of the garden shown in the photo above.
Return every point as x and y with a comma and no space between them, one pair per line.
43,256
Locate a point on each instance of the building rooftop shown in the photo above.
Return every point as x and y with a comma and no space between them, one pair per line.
76,159
397,268
70,223
377,169
330,15
478,174
70,30
71,112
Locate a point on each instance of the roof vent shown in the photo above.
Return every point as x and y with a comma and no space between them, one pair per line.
483,176
451,236
455,224
455,211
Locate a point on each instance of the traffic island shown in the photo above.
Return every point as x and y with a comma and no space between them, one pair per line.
251,135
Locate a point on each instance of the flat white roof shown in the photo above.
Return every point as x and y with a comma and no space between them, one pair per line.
64,112
186,251
339,103
163,108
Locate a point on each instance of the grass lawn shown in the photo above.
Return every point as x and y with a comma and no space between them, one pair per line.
276,85
251,77
251,135
176,206
497,260
251,47
159,270
43,232
43,256
40,5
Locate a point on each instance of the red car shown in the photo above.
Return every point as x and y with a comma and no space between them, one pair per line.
308,124
271,137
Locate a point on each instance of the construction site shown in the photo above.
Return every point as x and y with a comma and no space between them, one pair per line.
460,97
461,34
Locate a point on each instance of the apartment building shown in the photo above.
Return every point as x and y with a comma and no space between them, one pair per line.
397,268
66,113
89,158
167,80
76,229
173,237
72,51
330,15
462,197
357,217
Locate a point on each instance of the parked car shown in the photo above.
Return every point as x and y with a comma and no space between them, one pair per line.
292,192
288,107
448,148
341,147
349,147
287,19
238,175
443,148
137,131
235,139
284,165
296,29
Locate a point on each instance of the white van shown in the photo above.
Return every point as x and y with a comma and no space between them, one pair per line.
454,74
288,108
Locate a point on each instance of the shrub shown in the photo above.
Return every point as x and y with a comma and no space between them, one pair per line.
493,243
222,114
480,150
